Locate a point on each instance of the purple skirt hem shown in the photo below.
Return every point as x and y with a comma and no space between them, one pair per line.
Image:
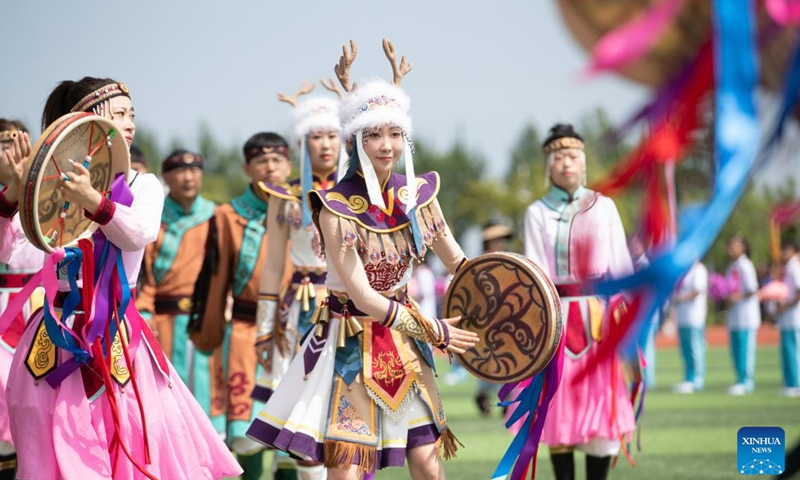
302,444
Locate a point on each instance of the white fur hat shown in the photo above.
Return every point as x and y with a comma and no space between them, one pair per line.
373,104
314,113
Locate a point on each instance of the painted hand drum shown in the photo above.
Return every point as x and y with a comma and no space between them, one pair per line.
513,307
48,221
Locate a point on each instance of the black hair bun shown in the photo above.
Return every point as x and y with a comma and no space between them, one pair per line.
561,130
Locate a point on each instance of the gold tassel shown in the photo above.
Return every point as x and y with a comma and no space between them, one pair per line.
312,291
319,330
298,295
306,304
341,339
353,327
321,317
315,316
341,455
450,443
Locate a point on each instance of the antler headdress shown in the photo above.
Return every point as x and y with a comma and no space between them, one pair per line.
310,114
374,104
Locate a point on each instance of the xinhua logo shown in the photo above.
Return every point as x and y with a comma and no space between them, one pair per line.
761,451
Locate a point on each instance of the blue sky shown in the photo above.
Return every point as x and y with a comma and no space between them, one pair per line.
481,69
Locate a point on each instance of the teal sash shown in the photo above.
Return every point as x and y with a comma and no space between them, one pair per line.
254,210
178,222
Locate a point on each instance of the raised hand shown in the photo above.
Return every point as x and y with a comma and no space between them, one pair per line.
76,187
12,163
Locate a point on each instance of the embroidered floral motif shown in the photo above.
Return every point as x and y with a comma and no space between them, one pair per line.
384,276
387,367
347,418
377,102
406,322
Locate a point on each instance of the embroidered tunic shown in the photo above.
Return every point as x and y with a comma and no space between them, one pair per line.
241,247
306,274
579,238
362,389
172,264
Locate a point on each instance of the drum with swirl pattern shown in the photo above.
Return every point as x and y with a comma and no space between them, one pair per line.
513,307
48,221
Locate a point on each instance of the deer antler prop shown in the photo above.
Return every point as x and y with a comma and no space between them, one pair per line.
342,69
330,85
403,69
304,88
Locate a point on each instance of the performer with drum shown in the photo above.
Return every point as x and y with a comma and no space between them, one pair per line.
234,259
77,395
361,394
13,276
576,234
283,321
172,264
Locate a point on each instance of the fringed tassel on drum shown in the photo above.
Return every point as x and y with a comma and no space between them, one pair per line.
447,440
340,454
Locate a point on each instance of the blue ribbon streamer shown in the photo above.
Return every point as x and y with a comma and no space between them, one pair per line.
527,400
307,182
72,262
737,137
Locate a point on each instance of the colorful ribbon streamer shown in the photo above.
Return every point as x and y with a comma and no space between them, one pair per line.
634,39
737,139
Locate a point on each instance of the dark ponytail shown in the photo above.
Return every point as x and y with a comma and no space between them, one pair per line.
67,94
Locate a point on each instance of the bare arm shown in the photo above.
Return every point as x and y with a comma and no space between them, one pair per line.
350,270
277,240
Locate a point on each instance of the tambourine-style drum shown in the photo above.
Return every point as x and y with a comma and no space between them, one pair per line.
48,221
513,307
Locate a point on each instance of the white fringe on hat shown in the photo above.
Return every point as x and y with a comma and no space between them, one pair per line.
313,114
374,104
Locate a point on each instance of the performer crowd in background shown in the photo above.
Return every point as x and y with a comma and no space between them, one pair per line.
252,341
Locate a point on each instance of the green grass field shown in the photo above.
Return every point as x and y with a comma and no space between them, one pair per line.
682,436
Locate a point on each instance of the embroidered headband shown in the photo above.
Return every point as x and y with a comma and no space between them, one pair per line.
182,160
562,136
562,143
100,95
255,152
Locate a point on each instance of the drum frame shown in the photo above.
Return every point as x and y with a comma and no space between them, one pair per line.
551,302
35,167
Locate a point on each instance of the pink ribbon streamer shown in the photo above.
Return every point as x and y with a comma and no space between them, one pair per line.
632,40
784,12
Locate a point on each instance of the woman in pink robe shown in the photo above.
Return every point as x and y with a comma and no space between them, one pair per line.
576,234
77,428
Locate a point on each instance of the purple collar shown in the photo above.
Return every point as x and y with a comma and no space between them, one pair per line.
349,199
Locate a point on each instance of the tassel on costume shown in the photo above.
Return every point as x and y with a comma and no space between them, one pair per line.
449,442
342,454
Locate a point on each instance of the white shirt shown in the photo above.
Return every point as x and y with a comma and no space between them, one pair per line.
790,318
692,313
130,229
744,314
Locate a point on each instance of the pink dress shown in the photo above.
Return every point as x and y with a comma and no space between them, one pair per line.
574,239
61,434
13,275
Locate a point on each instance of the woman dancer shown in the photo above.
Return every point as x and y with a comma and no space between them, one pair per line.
85,426
361,394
